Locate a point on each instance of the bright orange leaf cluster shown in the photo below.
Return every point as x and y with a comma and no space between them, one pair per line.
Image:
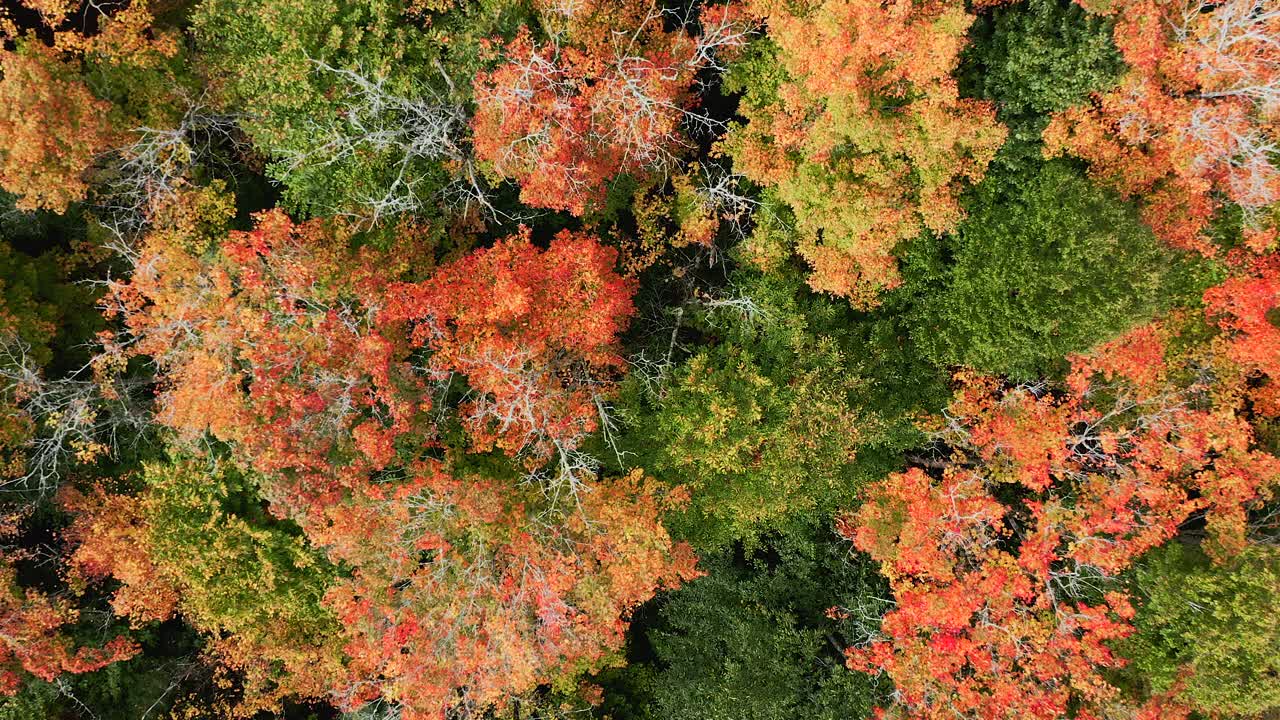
51,129
463,592
869,141
1005,608
534,332
33,641
607,93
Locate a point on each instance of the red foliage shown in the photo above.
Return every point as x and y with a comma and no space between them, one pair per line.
32,640
535,333
1245,308
323,368
1003,609
298,349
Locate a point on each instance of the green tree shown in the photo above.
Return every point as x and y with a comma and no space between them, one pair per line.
1034,59
1047,264
762,422
753,640
357,103
1211,632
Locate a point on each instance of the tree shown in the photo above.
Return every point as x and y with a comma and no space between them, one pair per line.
358,106
52,128
1046,264
1209,632
765,419
753,639
534,332
607,93
327,371
1002,564
196,541
1192,121
33,637
863,133
73,95
477,590
1033,59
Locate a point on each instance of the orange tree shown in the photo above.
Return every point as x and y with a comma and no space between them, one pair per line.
855,122
1194,121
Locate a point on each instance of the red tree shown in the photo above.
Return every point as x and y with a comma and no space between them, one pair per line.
325,368
1005,608
33,641
535,333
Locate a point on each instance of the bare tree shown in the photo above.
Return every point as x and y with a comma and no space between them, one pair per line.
427,126
75,418
149,172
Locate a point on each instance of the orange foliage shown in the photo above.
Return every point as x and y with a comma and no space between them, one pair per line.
534,332
110,540
324,370
1000,606
1195,120
32,642
606,94
869,141
462,595
51,129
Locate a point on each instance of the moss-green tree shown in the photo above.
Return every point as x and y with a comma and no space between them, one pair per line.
1046,264
1211,632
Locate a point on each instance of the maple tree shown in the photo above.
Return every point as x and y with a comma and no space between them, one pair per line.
1193,122
1244,308
329,375
33,637
51,128
478,590
62,111
534,332
1005,609
863,132
607,93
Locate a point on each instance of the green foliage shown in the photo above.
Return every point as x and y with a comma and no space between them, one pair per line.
1215,628
26,286
752,639
239,569
761,425
1045,265
1034,59
267,57
36,700
756,74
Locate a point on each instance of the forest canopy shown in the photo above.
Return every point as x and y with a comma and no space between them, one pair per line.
640,359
